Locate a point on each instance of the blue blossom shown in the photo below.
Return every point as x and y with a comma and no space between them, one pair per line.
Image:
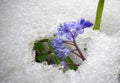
65,29
62,52
60,32
69,36
80,26
57,42
85,24
72,29
63,64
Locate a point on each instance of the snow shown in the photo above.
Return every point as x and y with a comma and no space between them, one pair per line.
24,21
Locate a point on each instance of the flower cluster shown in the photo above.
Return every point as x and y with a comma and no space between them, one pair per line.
73,29
67,33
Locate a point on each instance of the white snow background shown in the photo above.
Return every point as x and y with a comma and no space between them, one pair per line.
24,21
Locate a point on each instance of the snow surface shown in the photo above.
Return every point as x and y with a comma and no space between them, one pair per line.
24,21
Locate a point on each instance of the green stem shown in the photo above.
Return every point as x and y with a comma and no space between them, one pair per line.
99,15
56,59
70,63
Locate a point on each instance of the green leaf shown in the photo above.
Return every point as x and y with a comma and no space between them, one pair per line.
99,15
49,44
70,63
41,51
44,40
56,59
41,56
38,46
